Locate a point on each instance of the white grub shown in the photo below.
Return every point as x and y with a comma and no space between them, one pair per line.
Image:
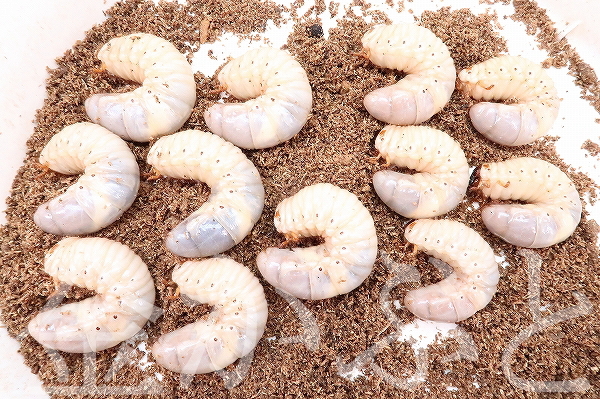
470,288
554,206
107,188
508,77
164,101
122,306
278,94
337,266
237,194
230,332
444,172
425,58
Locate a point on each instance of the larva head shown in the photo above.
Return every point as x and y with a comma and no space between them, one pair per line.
475,178
410,226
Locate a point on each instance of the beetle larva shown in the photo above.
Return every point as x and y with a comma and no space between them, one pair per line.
444,171
123,304
279,99
233,328
164,101
472,285
107,188
554,210
335,267
507,77
237,194
425,58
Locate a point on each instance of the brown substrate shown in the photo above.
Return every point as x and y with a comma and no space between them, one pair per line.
335,146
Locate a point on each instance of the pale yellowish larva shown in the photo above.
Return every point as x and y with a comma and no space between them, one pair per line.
107,188
444,171
279,99
237,194
508,77
425,58
335,267
123,304
164,101
472,285
554,208
230,332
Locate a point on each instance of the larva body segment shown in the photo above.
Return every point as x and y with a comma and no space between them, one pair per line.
233,328
237,194
107,188
472,285
444,171
164,101
123,304
335,267
278,94
509,77
416,51
554,208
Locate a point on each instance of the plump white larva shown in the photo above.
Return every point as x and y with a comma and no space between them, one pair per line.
107,188
164,101
444,176
237,194
554,208
472,285
123,304
335,267
507,77
425,58
279,99
233,328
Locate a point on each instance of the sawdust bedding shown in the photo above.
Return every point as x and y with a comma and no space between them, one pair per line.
335,146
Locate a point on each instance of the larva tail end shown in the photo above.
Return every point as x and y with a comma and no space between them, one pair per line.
199,236
431,303
65,216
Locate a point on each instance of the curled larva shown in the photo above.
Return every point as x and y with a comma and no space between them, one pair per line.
508,77
107,188
444,172
279,99
237,194
123,304
425,58
233,328
554,208
472,285
164,101
337,266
